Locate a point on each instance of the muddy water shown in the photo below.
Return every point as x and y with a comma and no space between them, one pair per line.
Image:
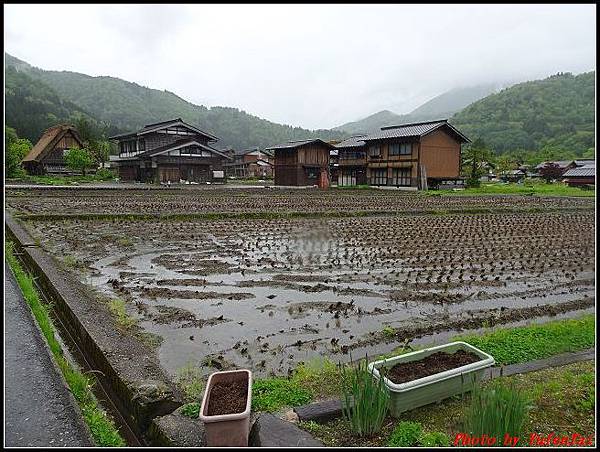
267,295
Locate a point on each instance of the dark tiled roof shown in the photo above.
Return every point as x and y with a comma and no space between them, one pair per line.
297,144
582,171
352,142
162,125
417,129
177,144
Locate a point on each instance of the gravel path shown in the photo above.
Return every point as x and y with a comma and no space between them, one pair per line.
39,409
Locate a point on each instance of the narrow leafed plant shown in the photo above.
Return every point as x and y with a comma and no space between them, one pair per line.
496,410
365,399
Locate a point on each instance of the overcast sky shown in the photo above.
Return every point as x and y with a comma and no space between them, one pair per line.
315,66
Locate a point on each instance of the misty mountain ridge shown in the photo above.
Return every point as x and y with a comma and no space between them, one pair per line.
442,106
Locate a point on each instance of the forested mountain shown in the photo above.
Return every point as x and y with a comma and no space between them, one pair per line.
556,113
128,106
32,106
440,107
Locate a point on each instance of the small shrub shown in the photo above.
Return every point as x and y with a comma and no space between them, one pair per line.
365,399
105,174
406,434
270,394
191,410
434,439
496,410
388,331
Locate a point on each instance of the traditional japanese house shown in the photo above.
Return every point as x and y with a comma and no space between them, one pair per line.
414,155
581,175
352,161
47,156
417,155
170,151
250,163
302,163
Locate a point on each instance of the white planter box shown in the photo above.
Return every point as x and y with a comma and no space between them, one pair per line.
434,388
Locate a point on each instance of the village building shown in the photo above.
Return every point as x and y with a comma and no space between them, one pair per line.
581,175
169,152
352,161
249,163
48,154
416,155
302,163
563,165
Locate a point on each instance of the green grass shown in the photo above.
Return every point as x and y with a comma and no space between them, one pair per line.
191,381
271,394
102,427
117,309
527,343
406,434
528,188
319,376
101,175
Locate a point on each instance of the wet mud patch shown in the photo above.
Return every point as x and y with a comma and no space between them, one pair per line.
165,293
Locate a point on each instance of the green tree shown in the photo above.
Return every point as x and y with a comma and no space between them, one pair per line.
550,171
79,159
505,163
16,150
472,158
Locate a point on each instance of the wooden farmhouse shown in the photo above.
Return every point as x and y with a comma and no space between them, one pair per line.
47,156
581,175
409,155
170,151
302,163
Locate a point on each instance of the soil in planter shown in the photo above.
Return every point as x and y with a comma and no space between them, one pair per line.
228,398
432,364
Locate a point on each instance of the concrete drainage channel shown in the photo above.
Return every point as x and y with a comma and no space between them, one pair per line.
130,379
131,385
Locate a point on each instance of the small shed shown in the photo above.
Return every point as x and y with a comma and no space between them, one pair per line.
47,156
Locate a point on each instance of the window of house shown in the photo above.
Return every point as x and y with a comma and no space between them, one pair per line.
374,151
312,174
400,149
142,144
401,177
378,177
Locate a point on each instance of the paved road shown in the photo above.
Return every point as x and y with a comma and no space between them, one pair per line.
39,409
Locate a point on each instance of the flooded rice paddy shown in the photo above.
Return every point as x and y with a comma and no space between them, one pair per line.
267,294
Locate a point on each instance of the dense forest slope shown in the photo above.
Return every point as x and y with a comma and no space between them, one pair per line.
127,106
555,113
32,106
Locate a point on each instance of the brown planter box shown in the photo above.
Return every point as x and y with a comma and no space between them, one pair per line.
227,429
